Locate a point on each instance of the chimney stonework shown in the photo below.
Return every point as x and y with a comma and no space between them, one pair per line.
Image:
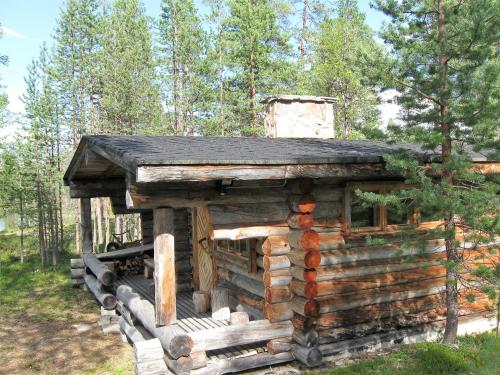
297,116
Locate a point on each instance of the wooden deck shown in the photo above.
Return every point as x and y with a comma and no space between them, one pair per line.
189,320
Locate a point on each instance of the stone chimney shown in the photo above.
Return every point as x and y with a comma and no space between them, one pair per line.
298,116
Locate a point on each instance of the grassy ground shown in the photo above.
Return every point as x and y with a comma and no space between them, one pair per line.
474,355
47,327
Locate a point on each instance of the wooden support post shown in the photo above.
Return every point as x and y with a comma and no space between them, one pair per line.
164,259
86,224
220,304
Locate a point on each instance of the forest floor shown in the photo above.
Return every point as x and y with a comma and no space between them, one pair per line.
47,327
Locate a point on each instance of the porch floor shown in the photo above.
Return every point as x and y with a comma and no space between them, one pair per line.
189,320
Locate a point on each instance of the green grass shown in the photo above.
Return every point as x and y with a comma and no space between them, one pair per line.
34,292
478,354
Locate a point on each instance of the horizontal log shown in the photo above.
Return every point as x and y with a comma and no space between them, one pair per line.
175,341
302,203
228,336
199,360
300,185
277,278
253,313
107,300
273,263
132,333
76,263
275,245
125,313
228,266
282,345
244,362
148,350
355,284
77,273
311,357
330,241
151,367
125,253
304,240
249,232
99,269
278,294
243,296
108,187
77,283
366,267
391,293
241,281
379,311
224,256
277,312
164,173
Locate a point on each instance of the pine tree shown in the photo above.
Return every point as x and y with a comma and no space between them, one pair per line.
259,59
345,51
185,44
129,99
446,69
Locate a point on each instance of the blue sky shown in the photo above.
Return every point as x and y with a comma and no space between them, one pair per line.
29,23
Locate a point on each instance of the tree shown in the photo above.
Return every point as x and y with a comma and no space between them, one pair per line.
258,55
446,68
184,43
345,55
4,100
129,97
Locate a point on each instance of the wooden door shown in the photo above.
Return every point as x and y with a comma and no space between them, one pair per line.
204,269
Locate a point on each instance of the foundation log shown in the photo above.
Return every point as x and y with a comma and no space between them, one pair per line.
179,366
308,339
199,359
279,345
99,269
107,300
311,357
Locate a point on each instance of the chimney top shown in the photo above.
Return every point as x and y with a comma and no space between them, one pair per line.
298,98
299,116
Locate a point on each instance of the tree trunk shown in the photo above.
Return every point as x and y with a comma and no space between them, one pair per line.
21,214
302,47
99,223
452,255
253,92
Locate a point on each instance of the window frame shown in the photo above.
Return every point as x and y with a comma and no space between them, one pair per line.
380,187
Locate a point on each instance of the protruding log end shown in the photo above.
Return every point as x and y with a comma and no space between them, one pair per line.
302,203
311,308
312,259
180,346
109,302
311,290
311,357
310,240
300,221
310,275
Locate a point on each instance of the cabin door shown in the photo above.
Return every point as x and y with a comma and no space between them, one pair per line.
203,262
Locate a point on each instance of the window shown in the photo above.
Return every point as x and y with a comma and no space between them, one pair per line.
359,216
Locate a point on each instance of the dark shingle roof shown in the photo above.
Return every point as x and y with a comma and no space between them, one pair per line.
164,150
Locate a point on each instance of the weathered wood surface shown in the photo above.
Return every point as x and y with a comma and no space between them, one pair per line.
243,282
277,278
219,302
273,263
164,259
262,172
157,367
276,346
106,299
179,366
76,273
237,305
355,284
308,339
148,350
278,294
86,224
300,221
133,334
304,240
76,263
311,357
199,359
277,312
99,269
223,337
305,307
97,188
201,301
237,364
249,232
238,317
175,341
275,245
125,253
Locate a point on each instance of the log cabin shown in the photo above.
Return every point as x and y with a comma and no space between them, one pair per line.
254,250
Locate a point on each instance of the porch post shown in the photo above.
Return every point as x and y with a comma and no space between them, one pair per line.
86,224
164,260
